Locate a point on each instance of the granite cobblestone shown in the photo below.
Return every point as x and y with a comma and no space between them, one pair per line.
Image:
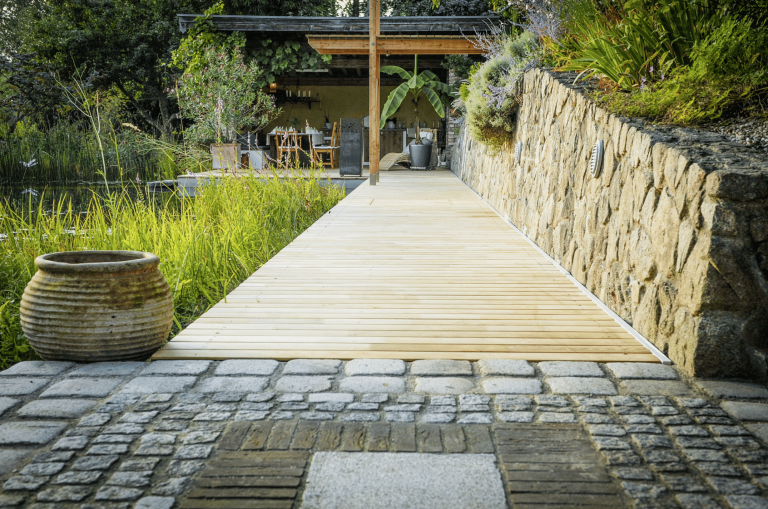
140,444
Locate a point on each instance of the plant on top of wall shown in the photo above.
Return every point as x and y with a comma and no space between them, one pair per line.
491,95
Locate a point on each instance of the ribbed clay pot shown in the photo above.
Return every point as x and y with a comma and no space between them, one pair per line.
97,306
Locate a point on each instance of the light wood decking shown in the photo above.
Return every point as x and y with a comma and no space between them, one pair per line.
417,267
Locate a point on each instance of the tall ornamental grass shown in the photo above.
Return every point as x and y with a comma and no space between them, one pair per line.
207,245
68,153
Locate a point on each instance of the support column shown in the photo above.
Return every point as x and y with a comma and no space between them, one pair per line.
374,91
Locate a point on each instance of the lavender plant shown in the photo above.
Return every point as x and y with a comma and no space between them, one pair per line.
492,95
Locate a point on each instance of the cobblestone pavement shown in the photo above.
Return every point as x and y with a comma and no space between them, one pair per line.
172,433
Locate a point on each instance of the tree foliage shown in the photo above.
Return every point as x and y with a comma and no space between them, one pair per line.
27,88
275,57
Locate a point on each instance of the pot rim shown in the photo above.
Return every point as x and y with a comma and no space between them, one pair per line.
140,260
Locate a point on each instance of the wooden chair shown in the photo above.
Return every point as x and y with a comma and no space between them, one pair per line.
331,149
287,143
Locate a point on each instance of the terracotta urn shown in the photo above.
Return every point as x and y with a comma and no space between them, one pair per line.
97,306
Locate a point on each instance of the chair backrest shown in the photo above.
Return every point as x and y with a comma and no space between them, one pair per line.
335,136
287,140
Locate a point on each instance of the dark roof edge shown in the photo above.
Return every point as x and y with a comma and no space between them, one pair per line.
448,25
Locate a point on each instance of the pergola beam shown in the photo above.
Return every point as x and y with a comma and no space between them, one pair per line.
394,45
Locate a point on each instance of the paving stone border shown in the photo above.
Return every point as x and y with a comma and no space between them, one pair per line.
115,435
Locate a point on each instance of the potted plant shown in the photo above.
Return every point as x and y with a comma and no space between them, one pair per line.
222,98
426,83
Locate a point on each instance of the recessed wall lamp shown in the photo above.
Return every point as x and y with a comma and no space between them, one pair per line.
518,151
273,87
596,161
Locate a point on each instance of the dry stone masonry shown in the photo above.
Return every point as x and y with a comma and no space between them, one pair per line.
672,234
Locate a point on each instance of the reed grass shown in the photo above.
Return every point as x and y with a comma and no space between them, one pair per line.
207,245
69,153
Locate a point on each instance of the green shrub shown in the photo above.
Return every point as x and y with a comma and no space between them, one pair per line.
727,71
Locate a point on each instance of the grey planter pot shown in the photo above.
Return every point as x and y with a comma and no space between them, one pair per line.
420,155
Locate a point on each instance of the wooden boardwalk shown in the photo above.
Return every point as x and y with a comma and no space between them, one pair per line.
417,267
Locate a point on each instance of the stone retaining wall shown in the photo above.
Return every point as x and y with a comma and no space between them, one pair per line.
672,234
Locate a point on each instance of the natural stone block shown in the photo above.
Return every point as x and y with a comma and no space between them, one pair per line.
475,418
730,486
155,503
134,479
139,464
505,367
728,390
41,469
411,398
746,411
303,383
331,397
316,416
99,369
118,494
512,386
746,502
574,385
172,487
570,368
175,368
98,419
372,384
158,384
444,385
232,384
311,367
610,443
656,387
260,367
515,416
82,387
367,367
441,367
65,494
360,417
30,432
387,480
247,415
7,404
90,463
21,386
193,452
78,478
642,370
400,417
71,444
24,483
37,368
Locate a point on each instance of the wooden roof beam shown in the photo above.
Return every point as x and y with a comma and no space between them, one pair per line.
393,45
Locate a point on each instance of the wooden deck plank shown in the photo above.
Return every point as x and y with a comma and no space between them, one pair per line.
417,267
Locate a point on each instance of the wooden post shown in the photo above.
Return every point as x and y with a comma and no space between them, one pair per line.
374,90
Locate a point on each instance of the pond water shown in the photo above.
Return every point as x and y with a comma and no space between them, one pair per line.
79,195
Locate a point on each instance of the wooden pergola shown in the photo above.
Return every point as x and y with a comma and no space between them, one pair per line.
361,36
